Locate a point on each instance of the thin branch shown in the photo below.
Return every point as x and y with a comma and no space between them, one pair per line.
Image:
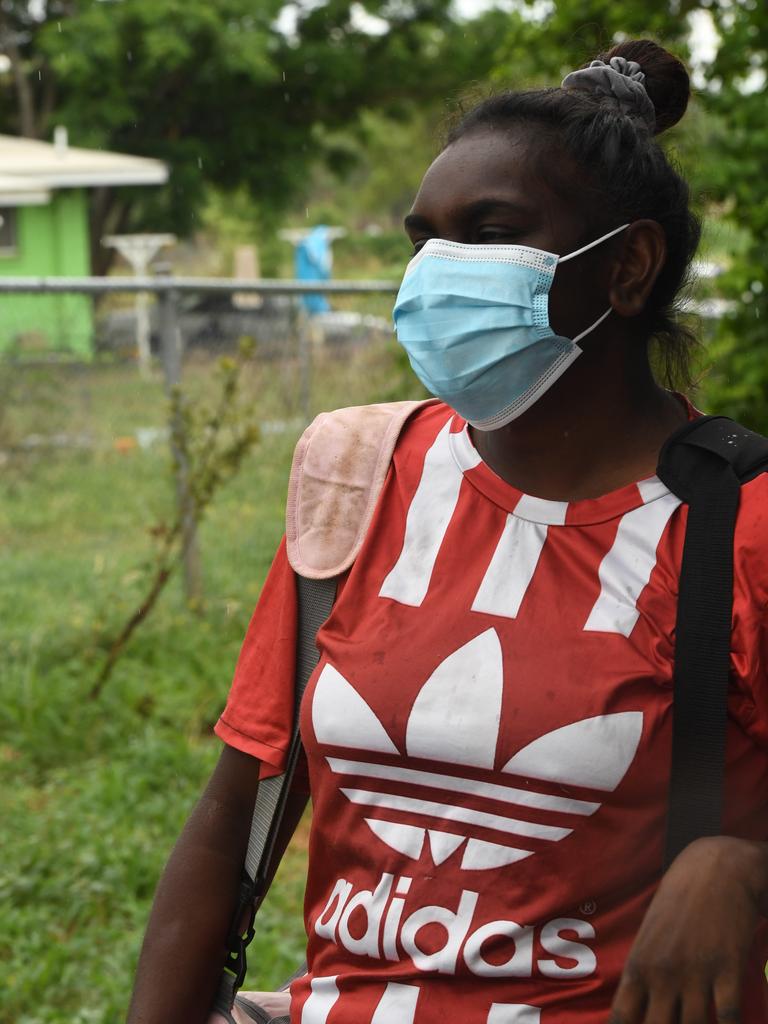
157,586
211,467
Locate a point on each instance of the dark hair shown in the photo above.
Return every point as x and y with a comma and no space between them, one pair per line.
623,175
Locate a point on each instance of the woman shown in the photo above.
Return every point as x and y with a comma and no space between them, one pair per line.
489,727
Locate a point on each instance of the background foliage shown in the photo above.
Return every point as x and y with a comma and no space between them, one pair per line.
738,192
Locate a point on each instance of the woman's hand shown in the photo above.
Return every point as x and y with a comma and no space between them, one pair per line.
693,944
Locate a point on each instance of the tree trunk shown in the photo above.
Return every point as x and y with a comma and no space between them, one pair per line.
24,96
109,215
49,99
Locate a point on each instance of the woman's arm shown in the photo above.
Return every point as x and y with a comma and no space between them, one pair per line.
184,946
693,944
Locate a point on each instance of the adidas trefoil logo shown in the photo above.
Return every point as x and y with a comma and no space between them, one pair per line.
455,719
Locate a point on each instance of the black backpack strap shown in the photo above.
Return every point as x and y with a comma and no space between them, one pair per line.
705,464
744,449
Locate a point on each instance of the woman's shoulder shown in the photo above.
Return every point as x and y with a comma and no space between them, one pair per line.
752,519
751,538
340,465
751,535
361,439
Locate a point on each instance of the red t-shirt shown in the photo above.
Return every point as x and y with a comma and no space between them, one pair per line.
488,738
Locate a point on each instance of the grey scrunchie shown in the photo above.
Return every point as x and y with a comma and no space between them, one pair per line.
620,78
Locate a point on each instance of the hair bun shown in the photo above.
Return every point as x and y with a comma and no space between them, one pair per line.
666,79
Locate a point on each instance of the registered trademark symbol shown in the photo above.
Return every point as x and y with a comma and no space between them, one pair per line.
588,908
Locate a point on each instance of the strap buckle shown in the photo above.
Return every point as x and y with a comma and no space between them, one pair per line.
242,931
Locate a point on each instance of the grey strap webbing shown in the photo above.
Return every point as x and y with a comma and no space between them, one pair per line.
315,603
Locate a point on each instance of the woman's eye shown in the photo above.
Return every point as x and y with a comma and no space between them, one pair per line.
418,245
489,235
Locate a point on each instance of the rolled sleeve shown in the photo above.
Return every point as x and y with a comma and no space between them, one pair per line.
258,716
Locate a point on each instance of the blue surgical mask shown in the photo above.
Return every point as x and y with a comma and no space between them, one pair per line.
474,320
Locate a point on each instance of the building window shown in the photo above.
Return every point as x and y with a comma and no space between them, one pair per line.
7,230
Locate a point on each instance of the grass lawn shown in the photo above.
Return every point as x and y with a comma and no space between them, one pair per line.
93,792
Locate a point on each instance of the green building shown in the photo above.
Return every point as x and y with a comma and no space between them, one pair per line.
45,232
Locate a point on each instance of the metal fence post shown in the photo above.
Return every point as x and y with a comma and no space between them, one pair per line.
304,336
170,354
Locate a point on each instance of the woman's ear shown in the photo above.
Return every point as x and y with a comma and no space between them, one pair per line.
635,271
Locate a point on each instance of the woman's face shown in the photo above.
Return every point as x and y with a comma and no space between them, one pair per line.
485,189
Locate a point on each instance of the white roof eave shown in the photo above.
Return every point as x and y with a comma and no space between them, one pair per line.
24,198
41,165
94,179
17,191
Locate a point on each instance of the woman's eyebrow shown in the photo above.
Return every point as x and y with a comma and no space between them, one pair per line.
472,211
481,207
414,222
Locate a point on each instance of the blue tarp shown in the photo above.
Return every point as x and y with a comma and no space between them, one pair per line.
313,261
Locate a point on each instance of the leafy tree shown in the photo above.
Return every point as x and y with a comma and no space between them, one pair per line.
545,47
735,175
218,91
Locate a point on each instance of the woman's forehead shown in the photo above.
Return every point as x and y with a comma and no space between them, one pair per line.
504,164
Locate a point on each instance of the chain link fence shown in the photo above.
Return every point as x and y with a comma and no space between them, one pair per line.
169,320
73,336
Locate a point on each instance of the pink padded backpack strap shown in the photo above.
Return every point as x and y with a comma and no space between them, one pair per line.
339,468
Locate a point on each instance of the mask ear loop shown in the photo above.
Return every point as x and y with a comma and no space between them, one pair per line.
578,252
597,323
591,245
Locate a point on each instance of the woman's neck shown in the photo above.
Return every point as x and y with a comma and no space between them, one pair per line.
598,428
